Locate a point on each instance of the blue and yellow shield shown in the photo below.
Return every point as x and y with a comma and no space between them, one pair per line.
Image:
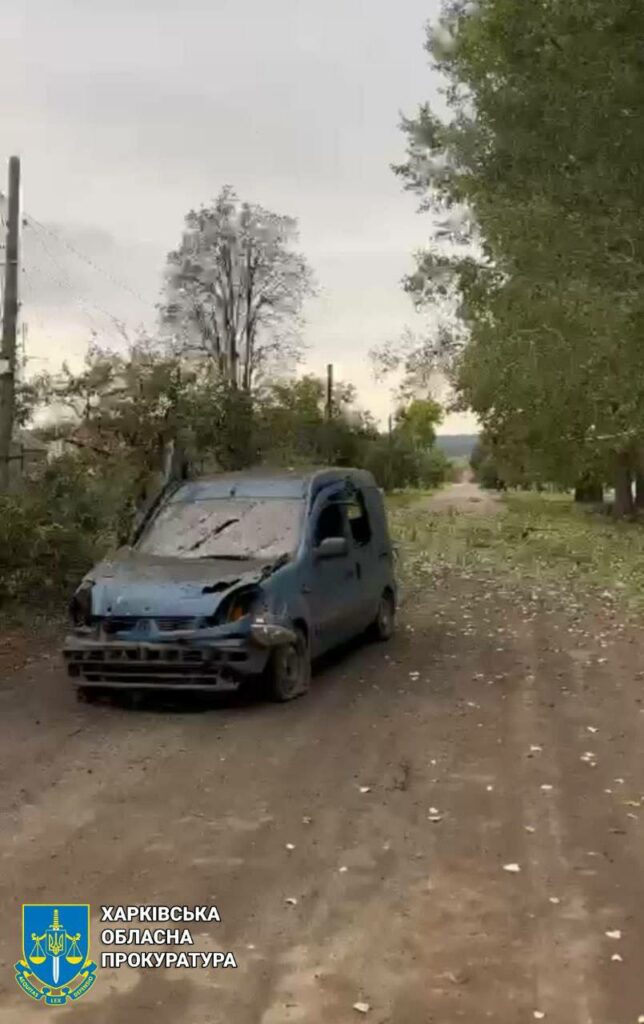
55,950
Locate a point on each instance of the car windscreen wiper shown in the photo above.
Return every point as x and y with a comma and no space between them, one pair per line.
229,558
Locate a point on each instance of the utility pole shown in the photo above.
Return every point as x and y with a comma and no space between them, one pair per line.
329,391
9,323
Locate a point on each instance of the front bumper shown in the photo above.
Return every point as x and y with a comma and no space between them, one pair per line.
204,660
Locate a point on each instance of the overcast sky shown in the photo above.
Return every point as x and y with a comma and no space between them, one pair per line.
127,114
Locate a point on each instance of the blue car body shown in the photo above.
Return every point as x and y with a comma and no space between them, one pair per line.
223,570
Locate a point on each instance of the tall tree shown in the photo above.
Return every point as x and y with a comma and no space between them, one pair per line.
540,161
235,288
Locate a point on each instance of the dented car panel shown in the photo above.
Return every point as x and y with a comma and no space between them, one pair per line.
223,571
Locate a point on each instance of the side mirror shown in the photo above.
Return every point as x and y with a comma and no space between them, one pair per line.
332,547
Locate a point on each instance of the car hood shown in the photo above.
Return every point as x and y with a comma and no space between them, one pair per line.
134,584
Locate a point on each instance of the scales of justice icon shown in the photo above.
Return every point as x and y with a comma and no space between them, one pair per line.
55,942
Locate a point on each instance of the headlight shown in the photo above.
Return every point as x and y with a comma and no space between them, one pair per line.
240,604
80,608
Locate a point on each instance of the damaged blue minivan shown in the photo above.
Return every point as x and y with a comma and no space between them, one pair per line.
237,578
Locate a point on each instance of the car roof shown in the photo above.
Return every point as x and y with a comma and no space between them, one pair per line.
264,483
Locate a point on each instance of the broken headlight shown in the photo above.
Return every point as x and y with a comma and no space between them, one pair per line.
80,608
239,604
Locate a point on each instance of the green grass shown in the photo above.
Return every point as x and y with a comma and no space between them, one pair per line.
532,537
407,498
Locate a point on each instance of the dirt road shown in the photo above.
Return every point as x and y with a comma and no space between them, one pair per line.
494,731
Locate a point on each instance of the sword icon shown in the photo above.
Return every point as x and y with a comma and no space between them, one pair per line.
55,945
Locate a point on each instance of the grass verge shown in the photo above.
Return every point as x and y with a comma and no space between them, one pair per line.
544,538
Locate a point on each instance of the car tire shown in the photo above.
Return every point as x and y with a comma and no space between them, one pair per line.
87,694
384,624
289,669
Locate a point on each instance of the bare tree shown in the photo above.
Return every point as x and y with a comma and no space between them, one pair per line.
235,288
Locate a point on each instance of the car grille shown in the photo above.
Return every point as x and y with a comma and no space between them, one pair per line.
164,623
153,664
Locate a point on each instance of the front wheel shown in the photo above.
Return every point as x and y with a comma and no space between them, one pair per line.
289,669
384,624
87,694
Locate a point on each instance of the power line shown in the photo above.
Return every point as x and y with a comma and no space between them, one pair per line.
31,221
64,283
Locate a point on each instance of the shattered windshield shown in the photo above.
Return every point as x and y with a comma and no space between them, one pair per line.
245,528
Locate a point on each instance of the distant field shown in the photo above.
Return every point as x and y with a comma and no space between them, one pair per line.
457,445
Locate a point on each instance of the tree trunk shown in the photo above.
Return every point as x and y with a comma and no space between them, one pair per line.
589,491
639,480
623,487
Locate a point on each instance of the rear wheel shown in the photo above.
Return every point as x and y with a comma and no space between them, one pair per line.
384,624
289,669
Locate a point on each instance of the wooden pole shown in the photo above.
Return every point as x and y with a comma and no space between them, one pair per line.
9,322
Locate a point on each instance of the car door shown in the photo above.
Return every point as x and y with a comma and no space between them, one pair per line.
330,585
364,553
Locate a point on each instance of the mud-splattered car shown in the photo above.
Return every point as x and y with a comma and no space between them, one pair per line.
239,577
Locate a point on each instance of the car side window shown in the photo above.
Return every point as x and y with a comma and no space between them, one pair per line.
330,523
359,519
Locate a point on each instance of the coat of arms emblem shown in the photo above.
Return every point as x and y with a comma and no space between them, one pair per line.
55,950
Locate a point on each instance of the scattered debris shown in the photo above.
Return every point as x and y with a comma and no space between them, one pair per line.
538,1015
511,867
617,958
529,828
292,902
616,934
554,899
343,869
546,787
306,820
365,789
290,846
591,728
535,748
361,1007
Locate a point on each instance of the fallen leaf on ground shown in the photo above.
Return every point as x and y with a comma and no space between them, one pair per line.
616,934
361,1007
511,867
291,901
365,789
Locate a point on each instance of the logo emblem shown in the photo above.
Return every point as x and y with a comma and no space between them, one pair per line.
55,963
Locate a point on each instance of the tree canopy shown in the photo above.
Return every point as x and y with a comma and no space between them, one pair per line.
536,178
